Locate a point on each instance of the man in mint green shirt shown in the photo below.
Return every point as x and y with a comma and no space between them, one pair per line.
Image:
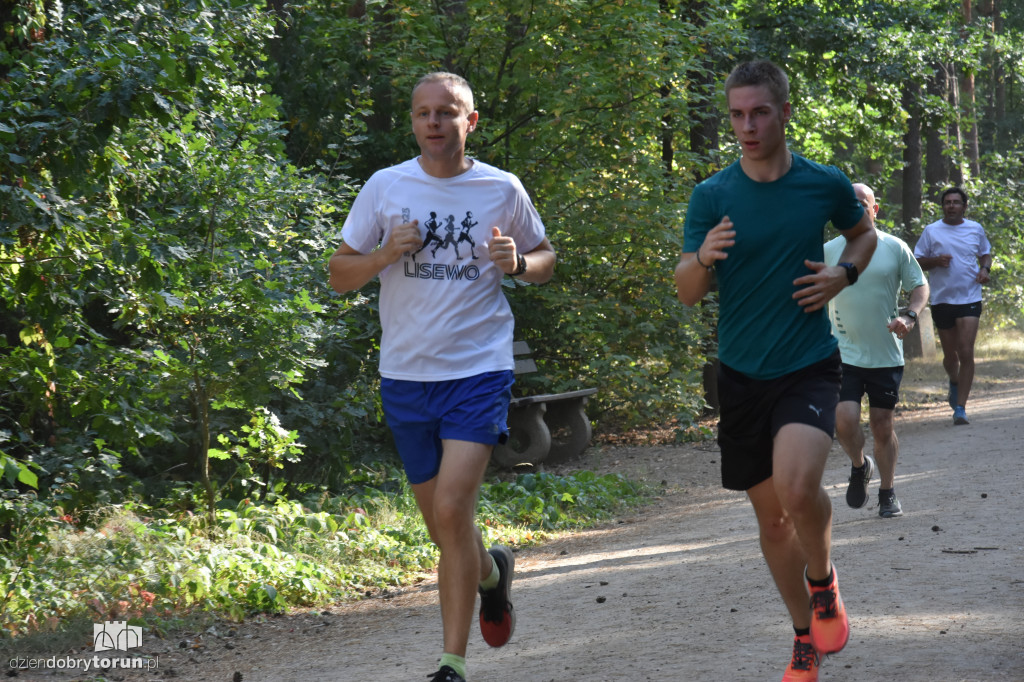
870,327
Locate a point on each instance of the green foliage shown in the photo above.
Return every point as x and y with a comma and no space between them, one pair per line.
172,179
577,99
551,502
161,258
143,564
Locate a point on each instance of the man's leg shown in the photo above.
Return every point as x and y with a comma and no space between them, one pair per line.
798,464
887,446
851,438
966,336
448,503
782,551
848,431
794,515
949,340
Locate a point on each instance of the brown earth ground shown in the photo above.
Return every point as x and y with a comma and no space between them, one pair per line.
678,590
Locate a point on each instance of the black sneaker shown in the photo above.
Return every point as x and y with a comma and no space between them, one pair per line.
888,506
446,674
497,619
857,491
951,396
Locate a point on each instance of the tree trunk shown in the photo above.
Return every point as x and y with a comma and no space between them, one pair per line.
704,114
667,121
201,405
456,31
956,169
970,113
936,170
911,161
381,118
998,82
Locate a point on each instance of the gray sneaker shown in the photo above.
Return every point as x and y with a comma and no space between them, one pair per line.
857,491
888,506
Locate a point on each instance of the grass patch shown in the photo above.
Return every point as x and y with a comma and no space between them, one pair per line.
999,358
161,570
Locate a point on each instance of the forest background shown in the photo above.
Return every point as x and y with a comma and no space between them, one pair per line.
174,176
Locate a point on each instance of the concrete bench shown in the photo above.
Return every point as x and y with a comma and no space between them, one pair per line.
550,428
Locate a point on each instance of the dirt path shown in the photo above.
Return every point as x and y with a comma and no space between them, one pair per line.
680,591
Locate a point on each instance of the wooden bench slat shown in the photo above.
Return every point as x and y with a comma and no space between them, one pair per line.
525,366
553,397
535,423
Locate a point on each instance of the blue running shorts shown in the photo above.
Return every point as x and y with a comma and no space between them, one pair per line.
421,414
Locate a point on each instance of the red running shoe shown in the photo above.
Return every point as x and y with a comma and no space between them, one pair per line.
830,627
497,619
804,666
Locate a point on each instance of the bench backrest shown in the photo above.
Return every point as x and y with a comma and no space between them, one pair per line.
524,365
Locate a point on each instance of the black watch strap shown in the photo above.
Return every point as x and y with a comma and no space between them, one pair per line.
911,314
520,265
851,272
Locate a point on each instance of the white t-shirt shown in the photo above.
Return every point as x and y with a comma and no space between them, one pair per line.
967,243
861,313
442,310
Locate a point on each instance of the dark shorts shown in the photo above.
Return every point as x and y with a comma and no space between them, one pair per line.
421,414
882,384
753,411
945,314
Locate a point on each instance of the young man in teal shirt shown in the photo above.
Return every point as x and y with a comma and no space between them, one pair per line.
759,226
870,327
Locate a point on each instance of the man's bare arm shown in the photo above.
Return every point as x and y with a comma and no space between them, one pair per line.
825,281
350,270
693,272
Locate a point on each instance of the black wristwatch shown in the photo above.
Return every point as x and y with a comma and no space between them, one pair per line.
851,272
911,314
520,265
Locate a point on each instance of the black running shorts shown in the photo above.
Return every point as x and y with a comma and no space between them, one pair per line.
882,384
752,412
944,315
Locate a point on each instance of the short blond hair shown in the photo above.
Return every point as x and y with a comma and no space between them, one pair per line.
463,92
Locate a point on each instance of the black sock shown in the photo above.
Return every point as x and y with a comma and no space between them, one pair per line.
802,632
822,583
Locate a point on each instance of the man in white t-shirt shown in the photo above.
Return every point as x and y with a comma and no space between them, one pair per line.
446,343
870,328
958,257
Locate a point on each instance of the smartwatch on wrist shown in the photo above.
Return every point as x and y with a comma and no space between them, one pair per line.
851,272
520,265
908,313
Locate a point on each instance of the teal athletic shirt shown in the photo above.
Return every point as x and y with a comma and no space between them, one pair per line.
762,331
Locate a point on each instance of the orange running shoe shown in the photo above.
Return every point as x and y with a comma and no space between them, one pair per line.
830,627
804,666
